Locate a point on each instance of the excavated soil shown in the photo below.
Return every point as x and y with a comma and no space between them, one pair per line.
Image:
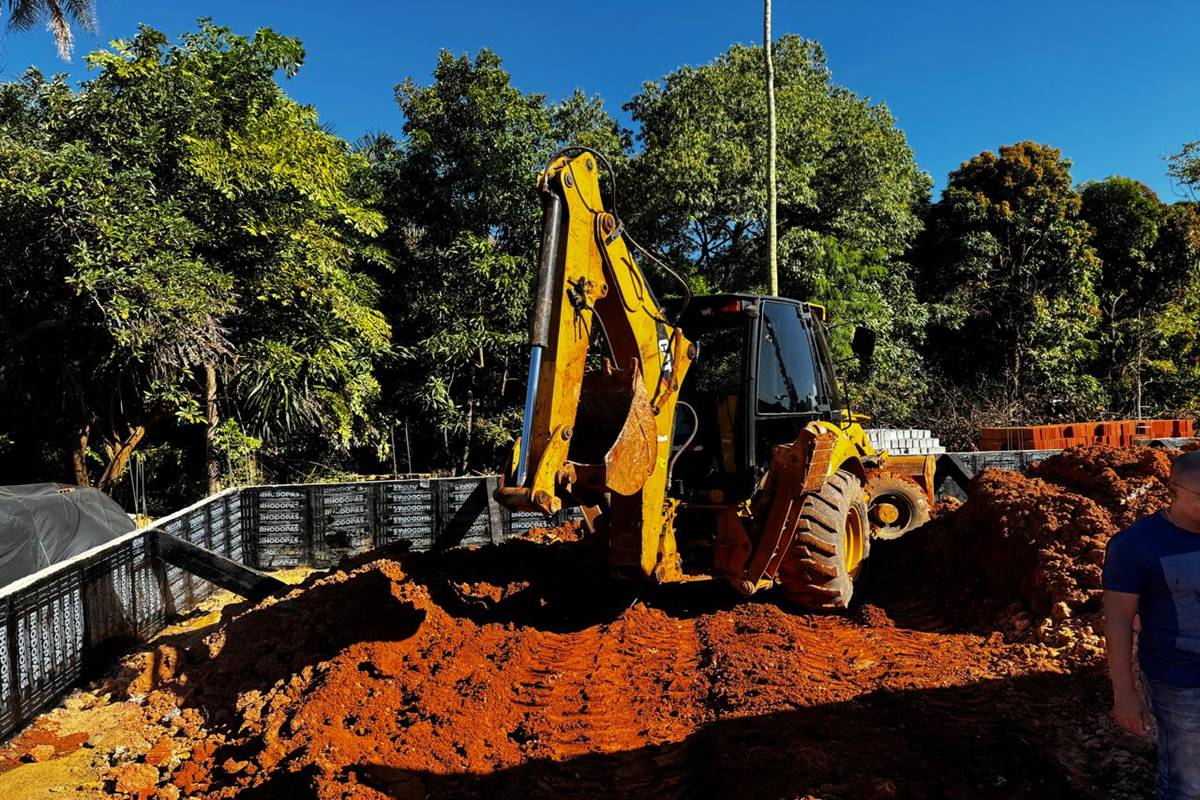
389,681
973,671
1025,553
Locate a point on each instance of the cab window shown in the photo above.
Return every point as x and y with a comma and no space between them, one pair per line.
787,378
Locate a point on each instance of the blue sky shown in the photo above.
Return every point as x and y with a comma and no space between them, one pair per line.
1115,85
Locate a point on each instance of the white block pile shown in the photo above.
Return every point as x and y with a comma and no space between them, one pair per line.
904,441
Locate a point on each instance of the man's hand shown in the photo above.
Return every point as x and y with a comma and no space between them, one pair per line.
1129,709
1130,712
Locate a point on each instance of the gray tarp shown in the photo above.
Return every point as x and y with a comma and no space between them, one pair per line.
44,523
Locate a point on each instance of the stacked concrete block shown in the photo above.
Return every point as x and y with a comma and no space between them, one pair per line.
905,441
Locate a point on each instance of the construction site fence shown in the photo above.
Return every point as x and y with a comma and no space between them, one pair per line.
69,621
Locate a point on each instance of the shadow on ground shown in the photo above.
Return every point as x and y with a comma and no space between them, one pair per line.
560,587
1014,738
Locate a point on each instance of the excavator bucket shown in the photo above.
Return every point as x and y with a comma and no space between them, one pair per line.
615,439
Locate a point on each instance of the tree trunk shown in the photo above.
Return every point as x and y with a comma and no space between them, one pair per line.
212,462
79,453
117,461
1138,369
1014,378
466,455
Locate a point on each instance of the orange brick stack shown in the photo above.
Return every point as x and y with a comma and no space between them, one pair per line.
1119,433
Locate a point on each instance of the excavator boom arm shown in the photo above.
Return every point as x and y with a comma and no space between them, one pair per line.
601,434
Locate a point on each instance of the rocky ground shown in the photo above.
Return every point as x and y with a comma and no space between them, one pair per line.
973,671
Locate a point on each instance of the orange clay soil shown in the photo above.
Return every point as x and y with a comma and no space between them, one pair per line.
523,671
373,683
1033,546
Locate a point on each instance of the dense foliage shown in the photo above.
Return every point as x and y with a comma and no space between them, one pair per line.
849,195
464,221
195,272
180,221
1010,278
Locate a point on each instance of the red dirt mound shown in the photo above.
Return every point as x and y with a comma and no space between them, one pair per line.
654,702
524,671
1129,482
1027,547
434,677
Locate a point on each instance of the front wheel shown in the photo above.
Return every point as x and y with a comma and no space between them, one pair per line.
827,558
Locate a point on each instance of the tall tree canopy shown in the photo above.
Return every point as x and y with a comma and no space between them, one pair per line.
1184,167
459,193
1147,269
1011,279
188,256
849,193
177,218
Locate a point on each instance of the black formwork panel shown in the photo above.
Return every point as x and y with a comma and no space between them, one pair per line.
952,482
343,521
183,590
44,626
216,525
234,530
281,527
10,719
220,521
178,585
1012,460
76,616
1034,456
519,522
125,598
406,513
60,625
109,596
198,528
467,513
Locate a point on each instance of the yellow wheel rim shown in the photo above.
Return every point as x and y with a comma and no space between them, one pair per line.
886,513
855,541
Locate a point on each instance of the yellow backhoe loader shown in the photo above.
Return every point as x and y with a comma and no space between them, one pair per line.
704,438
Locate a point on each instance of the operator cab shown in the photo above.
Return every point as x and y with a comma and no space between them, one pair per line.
763,371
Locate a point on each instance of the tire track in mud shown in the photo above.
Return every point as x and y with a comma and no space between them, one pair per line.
680,696
765,658
629,690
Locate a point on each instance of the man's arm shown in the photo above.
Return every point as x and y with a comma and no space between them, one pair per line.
1129,708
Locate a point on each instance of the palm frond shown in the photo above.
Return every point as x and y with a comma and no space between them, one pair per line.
84,13
57,24
24,14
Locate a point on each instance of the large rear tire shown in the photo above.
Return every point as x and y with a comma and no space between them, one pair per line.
827,559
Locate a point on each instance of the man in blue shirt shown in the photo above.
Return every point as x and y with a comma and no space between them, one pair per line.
1152,570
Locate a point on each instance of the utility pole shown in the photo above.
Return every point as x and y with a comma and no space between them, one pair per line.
772,260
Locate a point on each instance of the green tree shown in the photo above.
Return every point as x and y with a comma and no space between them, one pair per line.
1010,276
1138,279
849,192
25,14
179,222
1171,376
1184,166
459,194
